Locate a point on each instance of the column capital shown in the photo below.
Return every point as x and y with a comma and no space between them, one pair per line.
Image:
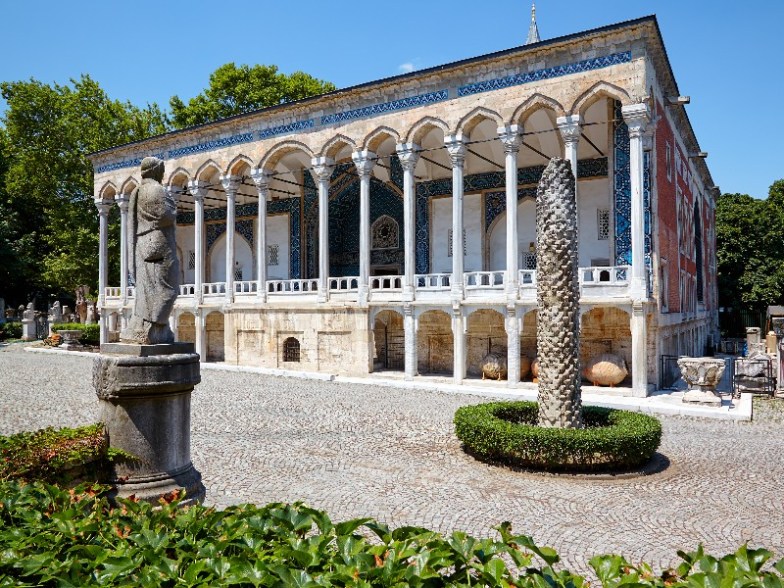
456,146
570,127
261,177
323,167
408,154
365,161
122,200
511,136
103,206
197,189
231,184
636,117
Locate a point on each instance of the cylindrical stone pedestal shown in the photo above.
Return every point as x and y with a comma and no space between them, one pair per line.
145,397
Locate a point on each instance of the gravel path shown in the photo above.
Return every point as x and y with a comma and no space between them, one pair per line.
391,454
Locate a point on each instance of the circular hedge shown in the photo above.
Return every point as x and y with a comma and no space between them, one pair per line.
507,433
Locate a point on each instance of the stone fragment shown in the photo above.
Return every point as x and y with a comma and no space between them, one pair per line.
494,366
702,374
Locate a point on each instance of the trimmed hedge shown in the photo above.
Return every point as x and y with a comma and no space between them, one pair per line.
52,537
506,432
10,330
91,333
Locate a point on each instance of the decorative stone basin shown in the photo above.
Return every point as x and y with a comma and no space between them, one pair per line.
702,374
70,339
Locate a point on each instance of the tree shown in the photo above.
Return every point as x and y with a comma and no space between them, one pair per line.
750,249
237,90
48,182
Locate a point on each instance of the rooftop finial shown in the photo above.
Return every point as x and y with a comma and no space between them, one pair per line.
533,30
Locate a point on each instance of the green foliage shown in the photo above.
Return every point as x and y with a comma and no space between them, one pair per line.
46,182
750,249
236,90
506,432
52,537
52,455
10,330
91,332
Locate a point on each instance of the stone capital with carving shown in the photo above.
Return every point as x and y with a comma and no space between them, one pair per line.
570,127
103,206
636,117
512,137
122,201
408,154
323,168
231,184
261,177
365,162
197,189
456,147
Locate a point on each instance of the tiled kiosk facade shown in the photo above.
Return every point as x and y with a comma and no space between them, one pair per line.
326,234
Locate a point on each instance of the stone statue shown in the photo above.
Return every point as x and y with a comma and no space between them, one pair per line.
90,316
153,258
81,303
57,313
558,298
29,312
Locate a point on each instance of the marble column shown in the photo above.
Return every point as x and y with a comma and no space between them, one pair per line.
262,179
230,184
365,161
456,146
571,130
459,340
323,168
198,190
639,350
408,153
122,203
512,346
637,117
511,138
103,258
410,333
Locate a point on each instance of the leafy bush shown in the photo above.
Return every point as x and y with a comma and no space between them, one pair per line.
10,331
506,432
91,332
52,537
54,455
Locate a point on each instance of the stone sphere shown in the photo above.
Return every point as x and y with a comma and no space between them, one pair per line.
525,366
494,366
606,369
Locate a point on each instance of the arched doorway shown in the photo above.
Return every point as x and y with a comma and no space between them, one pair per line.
435,343
486,332
389,339
606,330
186,328
215,337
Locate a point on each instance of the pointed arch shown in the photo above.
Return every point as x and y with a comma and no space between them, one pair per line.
129,186
280,150
533,104
108,191
377,136
238,163
336,144
179,177
469,122
423,126
204,169
597,91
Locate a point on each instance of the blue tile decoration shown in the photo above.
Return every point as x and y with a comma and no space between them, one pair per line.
292,207
210,145
545,73
394,105
384,107
495,203
243,226
294,127
396,172
310,225
622,189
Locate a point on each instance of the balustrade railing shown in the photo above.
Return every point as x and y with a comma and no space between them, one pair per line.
292,286
610,275
527,278
187,289
246,287
476,280
433,282
213,288
344,284
386,283
112,292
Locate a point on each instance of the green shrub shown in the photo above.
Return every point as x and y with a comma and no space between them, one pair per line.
506,432
10,330
54,455
91,333
51,537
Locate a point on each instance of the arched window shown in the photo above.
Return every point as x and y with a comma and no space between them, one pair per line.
385,233
291,351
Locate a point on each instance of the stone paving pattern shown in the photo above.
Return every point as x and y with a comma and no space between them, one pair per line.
389,453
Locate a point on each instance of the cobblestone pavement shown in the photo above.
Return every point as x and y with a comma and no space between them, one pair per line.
391,454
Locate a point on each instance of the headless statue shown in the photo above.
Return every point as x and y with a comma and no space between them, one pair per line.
153,258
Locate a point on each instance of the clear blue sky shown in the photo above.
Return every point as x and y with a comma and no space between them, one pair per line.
728,56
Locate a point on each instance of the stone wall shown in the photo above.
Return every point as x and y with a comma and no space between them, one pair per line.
435,343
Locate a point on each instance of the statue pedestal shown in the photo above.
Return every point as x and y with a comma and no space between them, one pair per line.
702,374
28,329
145,402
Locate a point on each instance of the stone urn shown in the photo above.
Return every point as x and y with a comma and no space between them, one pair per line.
535,370
70,339
525,366
702,374
605,369
494,366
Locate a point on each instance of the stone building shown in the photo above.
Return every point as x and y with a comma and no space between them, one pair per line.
367,229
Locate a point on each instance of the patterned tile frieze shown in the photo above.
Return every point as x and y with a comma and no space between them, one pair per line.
622,189
381,108
384,107
545,73
495,203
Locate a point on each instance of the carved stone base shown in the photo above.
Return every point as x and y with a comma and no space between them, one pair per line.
702,397
145,397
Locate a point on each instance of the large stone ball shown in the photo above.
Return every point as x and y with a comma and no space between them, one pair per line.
525,366
494,366
606,369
